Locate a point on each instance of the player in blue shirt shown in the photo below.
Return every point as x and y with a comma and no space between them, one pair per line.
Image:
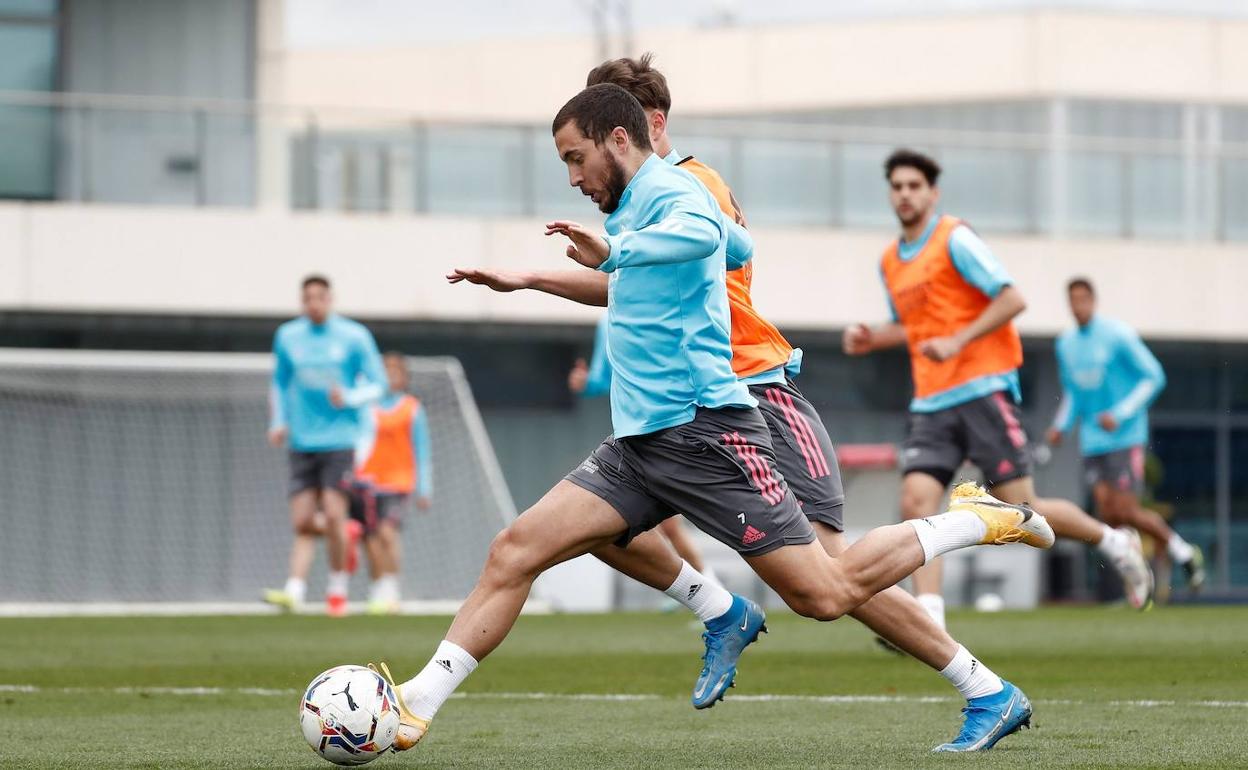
688,437
1109,379
325,367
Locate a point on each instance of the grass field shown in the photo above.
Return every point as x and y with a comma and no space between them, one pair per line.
1111,689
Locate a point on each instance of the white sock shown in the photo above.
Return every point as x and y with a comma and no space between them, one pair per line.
425,693
709,574
935,606
297,589
1179,549
388,585
707,599
972,678
337,584
376,590
947,532
1114,544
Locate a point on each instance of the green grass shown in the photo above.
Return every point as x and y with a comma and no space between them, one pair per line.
1085,669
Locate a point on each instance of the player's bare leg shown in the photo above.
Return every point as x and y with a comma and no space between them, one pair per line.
567,522
920,495
334,504
675,533
383,555
1121,547
304,522
1119,507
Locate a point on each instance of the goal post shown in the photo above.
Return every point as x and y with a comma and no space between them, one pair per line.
146,477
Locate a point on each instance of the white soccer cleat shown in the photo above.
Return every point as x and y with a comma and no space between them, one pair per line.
1137,577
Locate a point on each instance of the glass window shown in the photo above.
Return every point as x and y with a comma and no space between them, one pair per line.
1126,119
1193,374
1156,196
863,193
477,170
28,8
1094,197
991,189
787,182
1239,508
1235,199
27,63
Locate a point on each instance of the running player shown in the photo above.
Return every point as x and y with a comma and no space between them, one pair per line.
594,379
953,304
688,438
393,467
798,436
1109,378
325,368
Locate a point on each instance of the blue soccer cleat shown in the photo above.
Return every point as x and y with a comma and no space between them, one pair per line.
726,638
991,718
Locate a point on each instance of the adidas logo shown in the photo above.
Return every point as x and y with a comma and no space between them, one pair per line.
589,466
974,665
446,664
693,591
752,536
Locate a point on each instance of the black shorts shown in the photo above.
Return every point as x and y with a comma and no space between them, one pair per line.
719,471
321,470
987,431
371,507
1123,469
804,452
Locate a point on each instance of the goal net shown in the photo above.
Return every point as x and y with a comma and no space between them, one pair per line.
146,477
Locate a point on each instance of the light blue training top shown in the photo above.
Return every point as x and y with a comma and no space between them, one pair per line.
309,361
668,338
1106,367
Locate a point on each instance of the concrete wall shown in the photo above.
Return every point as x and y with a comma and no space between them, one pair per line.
810,66
98,258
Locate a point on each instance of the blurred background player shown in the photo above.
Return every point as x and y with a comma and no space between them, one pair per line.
953,305
594,379
394,467
325,367
1109,379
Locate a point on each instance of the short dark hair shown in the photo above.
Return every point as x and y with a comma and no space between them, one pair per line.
315,279
903,157
1080,283
600,109
637,77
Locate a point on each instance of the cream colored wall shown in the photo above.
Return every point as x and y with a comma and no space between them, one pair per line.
67,257
810,66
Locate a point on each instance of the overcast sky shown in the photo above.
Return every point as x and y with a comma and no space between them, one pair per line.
333,23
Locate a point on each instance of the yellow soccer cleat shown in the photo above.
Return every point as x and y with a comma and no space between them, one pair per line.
280,599
1006,523
382,607
411,727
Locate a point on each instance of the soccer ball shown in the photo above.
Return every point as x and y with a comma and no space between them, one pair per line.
349,715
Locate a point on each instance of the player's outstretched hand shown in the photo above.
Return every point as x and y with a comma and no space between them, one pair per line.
587,248
498,280
856,340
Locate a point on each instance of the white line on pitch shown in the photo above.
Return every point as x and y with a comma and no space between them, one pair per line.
607,697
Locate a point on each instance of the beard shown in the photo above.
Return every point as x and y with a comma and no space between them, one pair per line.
914,218
615,186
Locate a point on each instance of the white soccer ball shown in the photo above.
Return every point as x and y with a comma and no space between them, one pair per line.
349,715
989,603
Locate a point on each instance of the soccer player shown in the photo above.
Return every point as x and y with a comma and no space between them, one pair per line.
393,466
952,304
325,368
1109,378
688,438
594,379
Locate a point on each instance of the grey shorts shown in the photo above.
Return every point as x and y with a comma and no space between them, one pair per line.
804,452
987,431
719,471
1123,469
371,507
321,470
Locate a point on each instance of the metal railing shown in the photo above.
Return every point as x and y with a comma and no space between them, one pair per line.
208,152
